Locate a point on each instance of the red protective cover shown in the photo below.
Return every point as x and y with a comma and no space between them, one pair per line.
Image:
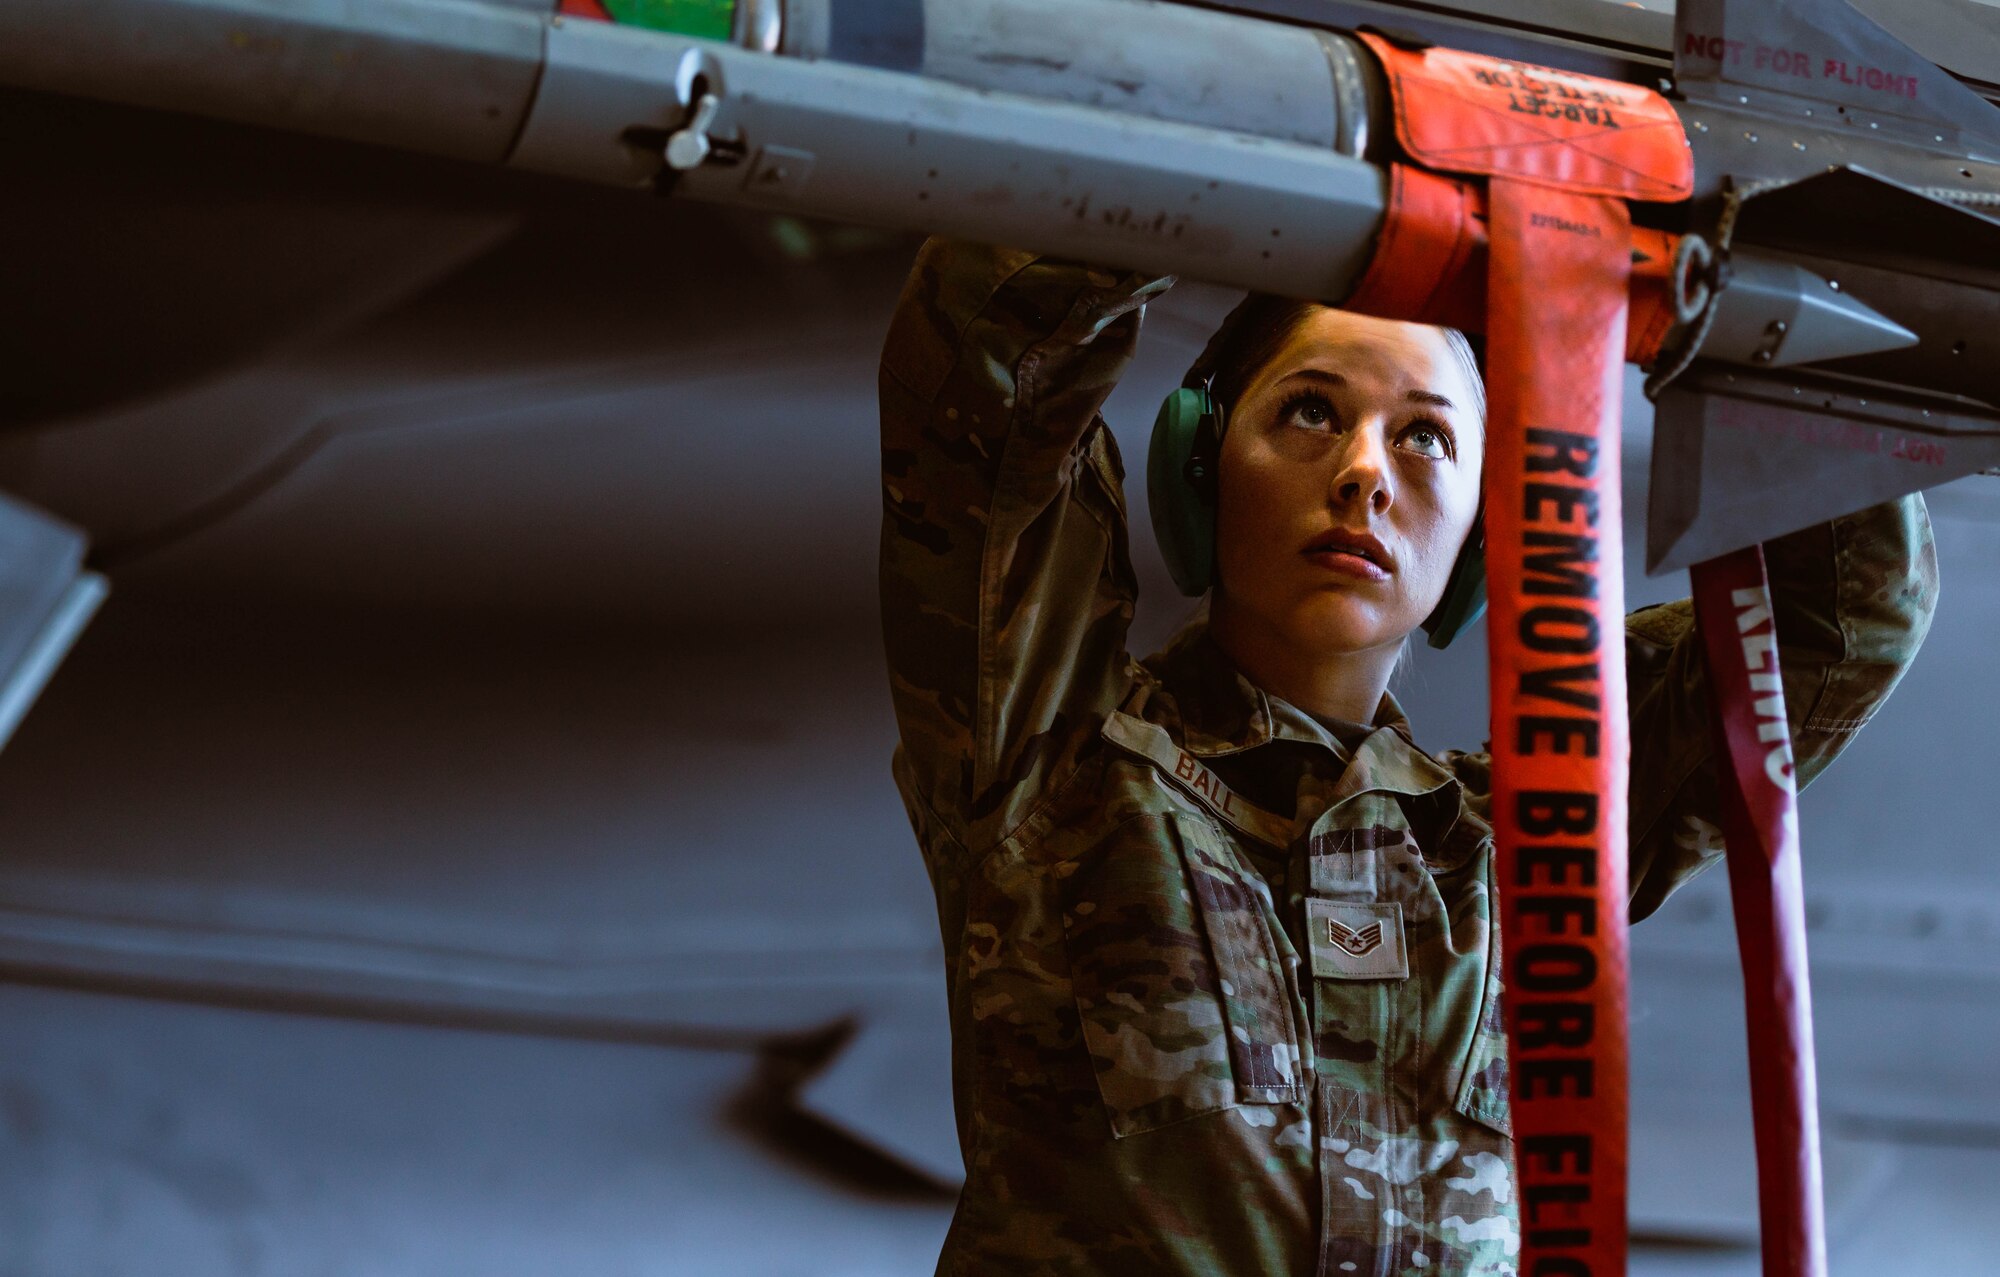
1760,825
1556,302
1430,263
1464,112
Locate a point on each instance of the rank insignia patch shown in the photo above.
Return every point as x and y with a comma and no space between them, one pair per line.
1359,943
1357,940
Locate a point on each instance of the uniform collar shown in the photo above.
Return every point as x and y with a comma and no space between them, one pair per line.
1221,712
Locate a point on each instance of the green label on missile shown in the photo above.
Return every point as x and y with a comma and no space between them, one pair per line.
704,19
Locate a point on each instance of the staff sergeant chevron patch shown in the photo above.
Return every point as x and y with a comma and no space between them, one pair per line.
1359,943
1357,940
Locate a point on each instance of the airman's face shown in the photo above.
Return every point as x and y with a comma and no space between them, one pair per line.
1349,478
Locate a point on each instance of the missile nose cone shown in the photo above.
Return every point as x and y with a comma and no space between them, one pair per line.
1833,325
1775,314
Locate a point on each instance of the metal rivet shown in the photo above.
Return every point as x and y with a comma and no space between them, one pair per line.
1798,146
1745,101
1834,284
1699,127
1749,136
1873,125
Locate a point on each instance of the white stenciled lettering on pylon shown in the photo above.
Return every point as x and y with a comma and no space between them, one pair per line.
1760,658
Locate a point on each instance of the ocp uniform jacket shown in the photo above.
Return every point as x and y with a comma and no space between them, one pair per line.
1154,1071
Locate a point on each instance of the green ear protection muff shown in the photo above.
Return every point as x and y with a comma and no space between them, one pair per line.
1180,484
1464,598
1180,488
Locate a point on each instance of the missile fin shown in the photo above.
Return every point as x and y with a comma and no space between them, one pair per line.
1740,459
1825,51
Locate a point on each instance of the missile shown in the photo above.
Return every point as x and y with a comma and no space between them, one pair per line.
1838,277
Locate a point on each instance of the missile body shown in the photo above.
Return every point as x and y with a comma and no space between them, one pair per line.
451,79
1859,251
1118,130
886,148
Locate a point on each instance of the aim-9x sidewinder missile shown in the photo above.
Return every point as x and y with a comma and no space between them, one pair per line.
1835,277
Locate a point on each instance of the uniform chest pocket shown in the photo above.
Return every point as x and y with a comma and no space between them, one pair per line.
1181,986
1482,1088
1482,1093
1477,1188
1438,1021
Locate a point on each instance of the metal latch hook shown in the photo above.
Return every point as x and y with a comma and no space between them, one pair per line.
699,88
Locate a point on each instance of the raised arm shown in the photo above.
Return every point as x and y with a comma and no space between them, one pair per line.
1006,584
1852,601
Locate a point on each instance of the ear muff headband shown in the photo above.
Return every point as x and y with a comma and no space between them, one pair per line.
1181,488
1464,598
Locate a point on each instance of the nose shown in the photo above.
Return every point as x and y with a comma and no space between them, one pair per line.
1361,473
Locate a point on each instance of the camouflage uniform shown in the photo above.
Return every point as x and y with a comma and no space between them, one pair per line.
1150,1076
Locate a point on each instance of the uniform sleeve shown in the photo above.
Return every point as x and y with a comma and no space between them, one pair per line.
1852,601
1006,584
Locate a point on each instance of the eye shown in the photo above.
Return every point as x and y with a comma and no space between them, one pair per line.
1307,411
1427,439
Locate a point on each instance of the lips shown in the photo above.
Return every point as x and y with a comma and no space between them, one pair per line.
1351,553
